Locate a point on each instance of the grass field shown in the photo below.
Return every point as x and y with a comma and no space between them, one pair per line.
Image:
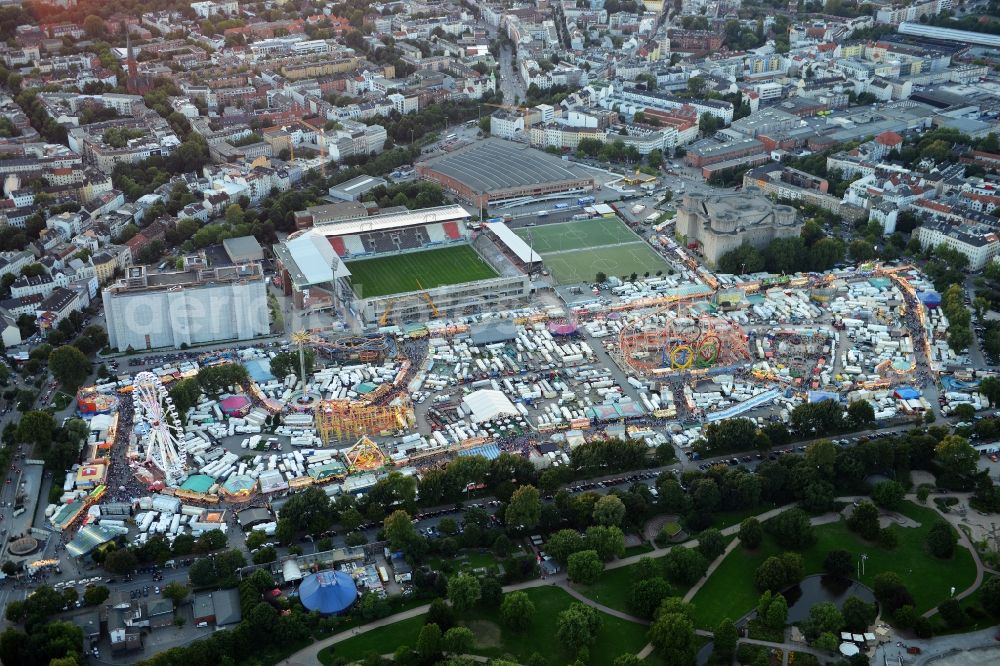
576,251
622,260
400,273
616,637
730,591
577,235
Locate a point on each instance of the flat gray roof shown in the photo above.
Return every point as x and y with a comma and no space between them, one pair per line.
242,246
496,164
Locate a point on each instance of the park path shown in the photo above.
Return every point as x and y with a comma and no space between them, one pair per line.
309,656
963,540
730,547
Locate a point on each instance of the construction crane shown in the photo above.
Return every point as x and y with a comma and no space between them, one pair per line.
430,301
384,319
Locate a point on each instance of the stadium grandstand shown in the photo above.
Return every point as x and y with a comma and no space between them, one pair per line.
401,267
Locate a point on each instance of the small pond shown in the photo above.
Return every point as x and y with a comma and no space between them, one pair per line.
821,589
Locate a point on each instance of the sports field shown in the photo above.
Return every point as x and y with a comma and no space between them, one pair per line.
577,235
413,271
577,251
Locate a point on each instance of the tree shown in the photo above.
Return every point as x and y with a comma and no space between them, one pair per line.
725,637
36,428
821,456
429,643
864,520
524,509
684,566
673,635
609,542
577,626
711,543
792,529
888,494
120,561
858,615
861,250
827,641
517,612
777,612
457,640
957,458
941,540
989,595
861,413
95,595
751,533
564,543
627,659
70,366
94,26
176,592
953,614
265,555
990,388
890,592
770,575
838,563
464,592
696,85
584,567
823,618
287,363
609,510
645,596
441,614
400,531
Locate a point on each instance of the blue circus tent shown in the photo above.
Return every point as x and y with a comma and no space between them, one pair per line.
328,592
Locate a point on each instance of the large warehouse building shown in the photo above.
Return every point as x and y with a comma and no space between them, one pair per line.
494,171
398,267
151,310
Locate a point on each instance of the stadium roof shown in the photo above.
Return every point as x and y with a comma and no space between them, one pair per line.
495,164
449,213
328,592
488,404
309,259
516,244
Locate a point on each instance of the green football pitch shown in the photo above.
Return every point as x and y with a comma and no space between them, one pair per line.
577,234
401,273
577,251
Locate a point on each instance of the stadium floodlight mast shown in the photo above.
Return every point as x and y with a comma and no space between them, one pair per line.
165,445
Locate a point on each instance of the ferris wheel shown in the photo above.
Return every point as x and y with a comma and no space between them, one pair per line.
156,416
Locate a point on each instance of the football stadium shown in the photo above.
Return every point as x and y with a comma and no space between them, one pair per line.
399,268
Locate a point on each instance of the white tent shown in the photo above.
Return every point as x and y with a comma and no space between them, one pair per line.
849,649
487,404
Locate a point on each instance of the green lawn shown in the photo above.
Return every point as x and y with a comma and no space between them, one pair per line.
414,271
466,561
620,260
381,641
61,401
613,588
577,235
979,618
576,251
616,636
730,591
